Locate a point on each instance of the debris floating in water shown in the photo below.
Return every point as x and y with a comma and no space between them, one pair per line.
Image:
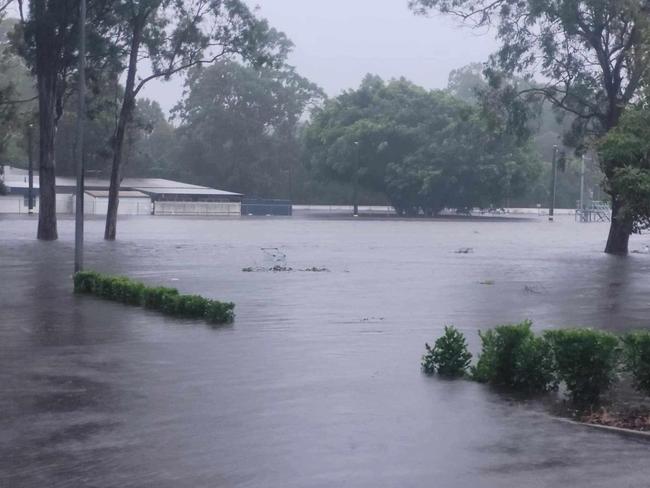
644,250
277,263
280,269
534,289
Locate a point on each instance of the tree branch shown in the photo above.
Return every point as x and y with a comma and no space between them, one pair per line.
173,70
16,102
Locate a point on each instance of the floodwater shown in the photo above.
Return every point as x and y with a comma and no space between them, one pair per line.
317,383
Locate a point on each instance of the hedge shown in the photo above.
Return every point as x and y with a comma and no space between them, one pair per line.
513,357
586,361
636,354
166,300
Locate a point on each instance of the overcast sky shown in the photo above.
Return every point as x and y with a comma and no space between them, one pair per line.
338,41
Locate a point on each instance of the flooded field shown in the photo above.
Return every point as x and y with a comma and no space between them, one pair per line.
317,383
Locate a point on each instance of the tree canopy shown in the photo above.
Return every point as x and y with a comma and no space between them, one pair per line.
625,155
425,150
239,126
592,54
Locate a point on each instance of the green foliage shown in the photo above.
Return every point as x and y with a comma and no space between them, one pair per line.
219,312
636,353
166,300
449,355
586,361
154,297
229,99
124,290
587,53
513,357
85,281
564,42
424,149
625,156
535,366
15,85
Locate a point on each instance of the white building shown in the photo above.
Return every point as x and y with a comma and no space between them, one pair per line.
131,203
138,196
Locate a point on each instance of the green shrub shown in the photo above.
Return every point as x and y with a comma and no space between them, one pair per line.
85,281
153,297
636,354
219,312
448,356
104,286
124,290
535,366
166,300
586,361
192,306
169,304
513,357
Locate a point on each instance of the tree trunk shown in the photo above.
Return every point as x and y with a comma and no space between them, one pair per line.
47,92
126,113
619,230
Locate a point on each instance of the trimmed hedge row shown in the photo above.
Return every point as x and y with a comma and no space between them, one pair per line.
166,300
586,361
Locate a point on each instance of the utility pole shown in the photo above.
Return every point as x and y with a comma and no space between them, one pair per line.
79,148
551,207
355,181
30,171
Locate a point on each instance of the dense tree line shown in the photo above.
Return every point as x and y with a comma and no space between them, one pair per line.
593,55
424,150
261,131
250,123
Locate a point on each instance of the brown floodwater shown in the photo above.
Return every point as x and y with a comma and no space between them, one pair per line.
317,383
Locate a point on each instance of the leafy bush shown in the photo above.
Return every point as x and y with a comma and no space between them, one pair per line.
219,312
166,300
534,366
126,291
192,306
448,356
513,357
85,281
636,354
153,297
586,361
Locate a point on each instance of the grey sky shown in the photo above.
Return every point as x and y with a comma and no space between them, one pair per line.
338,41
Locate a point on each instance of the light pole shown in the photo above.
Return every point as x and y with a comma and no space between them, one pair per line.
30,171
551,207
355,181
79,148
582,184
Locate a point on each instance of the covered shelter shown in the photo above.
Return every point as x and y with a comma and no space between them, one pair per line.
131,203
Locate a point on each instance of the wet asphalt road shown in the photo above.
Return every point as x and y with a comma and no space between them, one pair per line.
317,383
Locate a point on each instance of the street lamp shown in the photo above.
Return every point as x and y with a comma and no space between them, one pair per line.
355,181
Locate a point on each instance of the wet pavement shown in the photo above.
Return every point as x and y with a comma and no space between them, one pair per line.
317,383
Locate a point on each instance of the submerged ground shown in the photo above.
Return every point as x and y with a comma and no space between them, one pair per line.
317,383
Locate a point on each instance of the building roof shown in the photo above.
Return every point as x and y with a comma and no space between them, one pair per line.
187,191
123,194
18,178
